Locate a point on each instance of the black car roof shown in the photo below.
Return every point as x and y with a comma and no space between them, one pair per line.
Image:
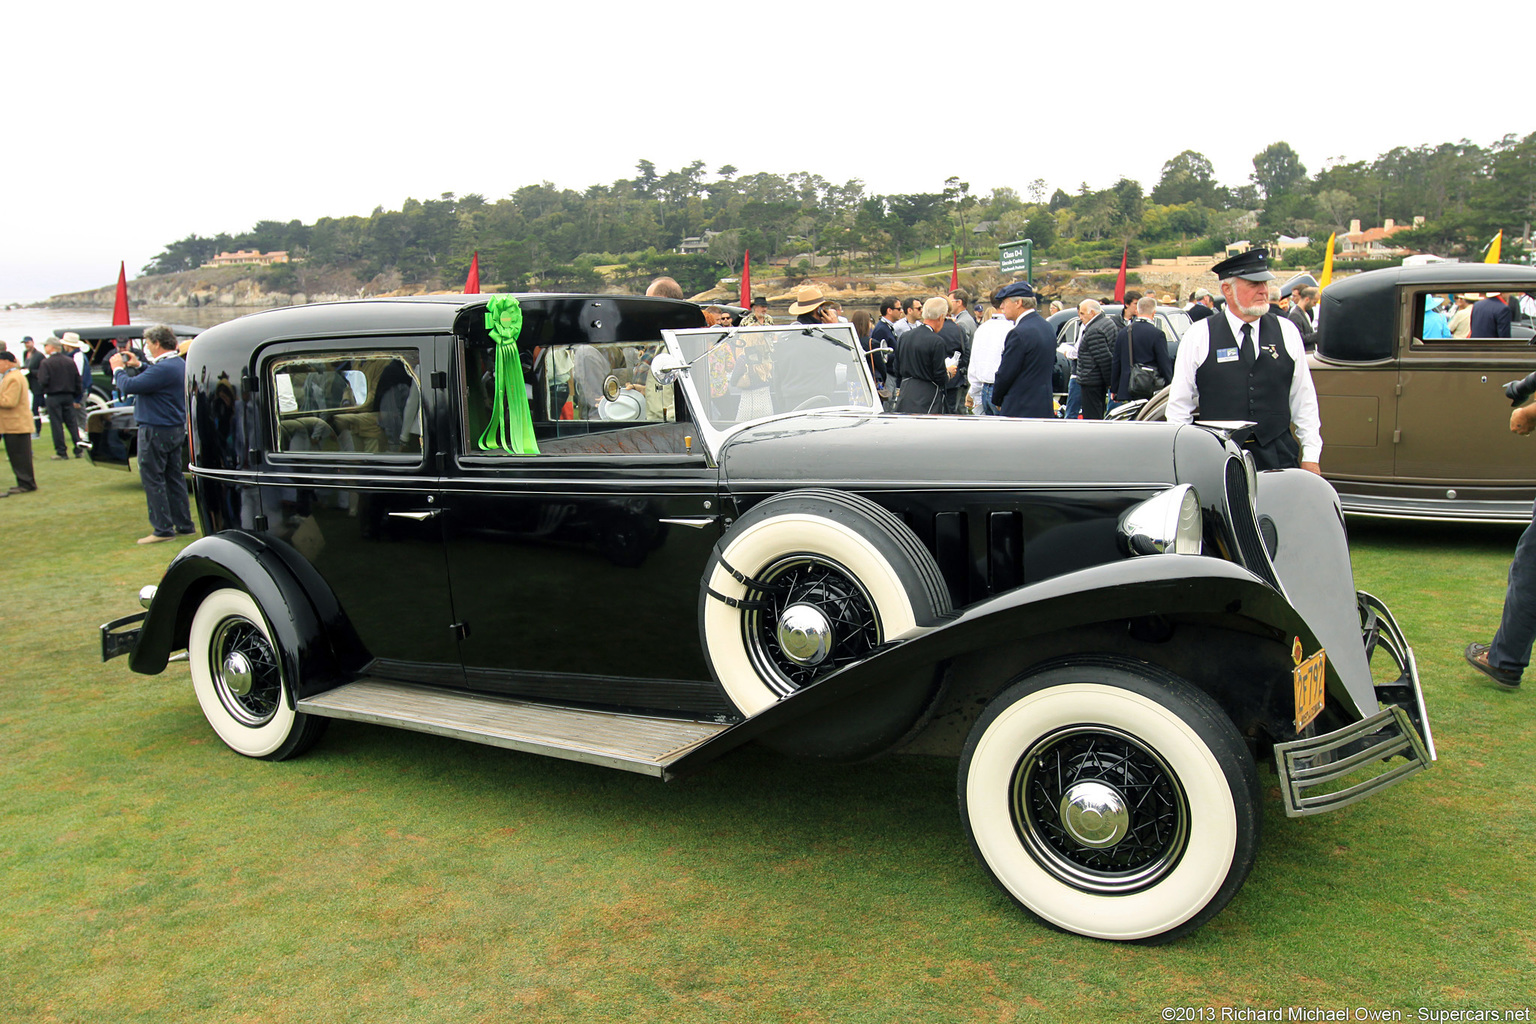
547,318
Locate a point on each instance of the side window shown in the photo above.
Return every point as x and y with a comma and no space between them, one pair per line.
1432,313
582,399
346,403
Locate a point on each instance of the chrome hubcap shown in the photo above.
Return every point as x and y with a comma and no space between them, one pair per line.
805,634
1094,814
237,673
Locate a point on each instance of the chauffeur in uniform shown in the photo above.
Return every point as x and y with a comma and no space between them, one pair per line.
1244,363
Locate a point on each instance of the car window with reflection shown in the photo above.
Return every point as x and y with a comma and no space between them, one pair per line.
1453,318
750,373
346,403
583,399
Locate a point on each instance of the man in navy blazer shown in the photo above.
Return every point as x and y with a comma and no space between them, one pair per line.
1491,317
1023,383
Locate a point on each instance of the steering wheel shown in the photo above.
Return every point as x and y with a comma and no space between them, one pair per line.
814,402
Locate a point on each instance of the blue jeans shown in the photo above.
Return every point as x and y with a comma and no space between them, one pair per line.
1511,648
1074,398
987,407
165,487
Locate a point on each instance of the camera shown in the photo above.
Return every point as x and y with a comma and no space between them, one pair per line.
1518,391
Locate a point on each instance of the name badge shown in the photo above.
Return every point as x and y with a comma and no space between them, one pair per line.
1226,355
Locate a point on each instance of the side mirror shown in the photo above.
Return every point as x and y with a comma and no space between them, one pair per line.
665,368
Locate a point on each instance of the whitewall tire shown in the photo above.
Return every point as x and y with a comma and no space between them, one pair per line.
1111,801
238,677
805,583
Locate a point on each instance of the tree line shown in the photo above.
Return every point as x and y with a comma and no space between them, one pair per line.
545,237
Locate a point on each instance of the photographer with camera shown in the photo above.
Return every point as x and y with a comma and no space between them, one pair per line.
1505,659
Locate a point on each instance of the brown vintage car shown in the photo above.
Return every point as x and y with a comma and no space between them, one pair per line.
1416,427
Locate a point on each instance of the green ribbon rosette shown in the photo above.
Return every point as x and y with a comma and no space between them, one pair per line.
511,426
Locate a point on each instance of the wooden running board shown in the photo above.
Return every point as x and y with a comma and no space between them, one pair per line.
636,743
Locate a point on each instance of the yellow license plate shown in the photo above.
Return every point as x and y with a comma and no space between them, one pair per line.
1309,689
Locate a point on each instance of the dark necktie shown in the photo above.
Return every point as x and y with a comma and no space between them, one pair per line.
1246,354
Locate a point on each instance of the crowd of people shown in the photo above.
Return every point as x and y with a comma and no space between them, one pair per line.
57,380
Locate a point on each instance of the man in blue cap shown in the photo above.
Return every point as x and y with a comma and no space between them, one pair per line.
1245,363
1023,383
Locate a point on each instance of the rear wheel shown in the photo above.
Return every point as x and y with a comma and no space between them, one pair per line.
237,674
1111,801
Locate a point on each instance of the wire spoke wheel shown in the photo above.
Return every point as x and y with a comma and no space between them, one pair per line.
810,618
1099,810
1111,799
245,671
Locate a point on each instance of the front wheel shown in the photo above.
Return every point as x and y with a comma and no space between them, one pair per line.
1110,801
237,674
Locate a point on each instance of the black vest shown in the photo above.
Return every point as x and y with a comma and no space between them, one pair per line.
1234,390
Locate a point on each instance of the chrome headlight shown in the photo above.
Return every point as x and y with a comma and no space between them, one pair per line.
1169,523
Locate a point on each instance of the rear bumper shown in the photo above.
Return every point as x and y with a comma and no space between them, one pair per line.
117,638
1315,771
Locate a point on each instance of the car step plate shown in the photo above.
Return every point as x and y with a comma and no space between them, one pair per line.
636,743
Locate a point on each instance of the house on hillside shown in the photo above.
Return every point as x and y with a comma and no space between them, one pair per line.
1373,244
248,257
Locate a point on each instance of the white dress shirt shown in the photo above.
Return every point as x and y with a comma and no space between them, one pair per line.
1195,346
987,348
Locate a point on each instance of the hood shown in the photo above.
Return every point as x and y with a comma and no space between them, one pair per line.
900,452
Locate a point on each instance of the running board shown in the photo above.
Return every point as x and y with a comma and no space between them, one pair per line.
635,743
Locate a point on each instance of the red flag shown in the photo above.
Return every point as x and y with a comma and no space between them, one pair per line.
1120,281
472,282
120,307
954,273
746,280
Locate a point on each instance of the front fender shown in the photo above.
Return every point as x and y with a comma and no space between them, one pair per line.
312,634
1185,586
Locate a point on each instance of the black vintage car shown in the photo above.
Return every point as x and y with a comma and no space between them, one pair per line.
588,527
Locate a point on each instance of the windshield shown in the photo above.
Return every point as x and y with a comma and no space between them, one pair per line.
742,374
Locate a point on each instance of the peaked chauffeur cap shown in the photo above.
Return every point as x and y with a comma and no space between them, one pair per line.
1252,265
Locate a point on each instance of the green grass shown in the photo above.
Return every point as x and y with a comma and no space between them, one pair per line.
149,874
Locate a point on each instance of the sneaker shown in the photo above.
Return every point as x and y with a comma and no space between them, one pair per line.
58,458
155,538
1477,657
78,453
186,533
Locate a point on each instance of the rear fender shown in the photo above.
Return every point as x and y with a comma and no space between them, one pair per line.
315,640
1205,591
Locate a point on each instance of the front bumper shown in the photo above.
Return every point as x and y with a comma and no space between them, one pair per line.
1314,770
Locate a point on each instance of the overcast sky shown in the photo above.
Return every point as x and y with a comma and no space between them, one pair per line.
133,125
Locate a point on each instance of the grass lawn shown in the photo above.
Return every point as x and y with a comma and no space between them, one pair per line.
149,874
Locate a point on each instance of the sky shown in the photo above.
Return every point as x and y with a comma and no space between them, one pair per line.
130,126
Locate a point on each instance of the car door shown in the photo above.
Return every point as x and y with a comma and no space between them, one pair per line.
351,484
576,570
1452,416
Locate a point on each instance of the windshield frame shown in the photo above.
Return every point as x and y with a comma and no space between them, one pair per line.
702,340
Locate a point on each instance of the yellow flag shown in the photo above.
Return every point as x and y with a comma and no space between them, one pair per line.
1327,264
1494,247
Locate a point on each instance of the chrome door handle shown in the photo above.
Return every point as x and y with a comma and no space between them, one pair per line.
418,516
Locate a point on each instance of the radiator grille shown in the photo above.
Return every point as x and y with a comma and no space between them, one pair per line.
1245,525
